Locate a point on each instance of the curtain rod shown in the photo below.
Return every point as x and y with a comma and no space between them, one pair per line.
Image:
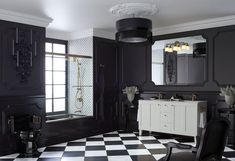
69,55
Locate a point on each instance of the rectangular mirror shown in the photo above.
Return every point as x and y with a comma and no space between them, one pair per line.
179,61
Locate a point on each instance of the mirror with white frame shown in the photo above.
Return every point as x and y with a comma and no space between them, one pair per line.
179,61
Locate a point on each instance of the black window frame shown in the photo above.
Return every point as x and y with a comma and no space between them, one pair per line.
63,42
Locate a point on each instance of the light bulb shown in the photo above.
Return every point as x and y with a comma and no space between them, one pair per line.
183,47
170,50
175,48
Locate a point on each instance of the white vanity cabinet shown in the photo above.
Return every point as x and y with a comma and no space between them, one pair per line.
174,117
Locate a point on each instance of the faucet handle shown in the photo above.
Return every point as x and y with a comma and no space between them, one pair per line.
194,97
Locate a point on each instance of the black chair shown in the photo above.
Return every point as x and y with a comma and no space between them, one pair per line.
211,146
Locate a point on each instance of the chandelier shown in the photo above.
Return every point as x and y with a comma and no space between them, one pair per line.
177,46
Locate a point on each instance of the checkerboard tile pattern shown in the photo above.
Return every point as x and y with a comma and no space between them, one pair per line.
114,146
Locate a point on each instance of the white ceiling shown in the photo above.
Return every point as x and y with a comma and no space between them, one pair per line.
79,15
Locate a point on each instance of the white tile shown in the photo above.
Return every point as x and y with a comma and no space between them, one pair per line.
159,156
79,140
118,158
51,155
154,146
94,143
112,139
113,132
10,156
97,136
127,135
95,153
26,159
58,145
232,159
131,142
165,141
75,148
41,149
228,149
138,152
72,159
147,138
115,147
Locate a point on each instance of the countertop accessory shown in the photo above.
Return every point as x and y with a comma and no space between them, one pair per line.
130,92
229,95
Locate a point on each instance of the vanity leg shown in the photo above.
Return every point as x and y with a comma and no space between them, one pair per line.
195,140
140,132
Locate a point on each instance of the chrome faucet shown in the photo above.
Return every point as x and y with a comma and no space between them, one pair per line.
160,95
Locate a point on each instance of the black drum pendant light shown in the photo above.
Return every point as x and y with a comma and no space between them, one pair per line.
134,30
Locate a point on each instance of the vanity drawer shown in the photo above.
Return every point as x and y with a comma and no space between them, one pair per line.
166,117
166,127
167,108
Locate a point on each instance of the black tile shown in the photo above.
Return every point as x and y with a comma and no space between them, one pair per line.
113,143
95,139
49,159
144,134
150,142
76,144
232,147
29,156
163,137
74,154
54,149
129,138
6,159
122,132
143,158
117,152
185,139
138,146
95,147
96,159
157,151
229,154
111,135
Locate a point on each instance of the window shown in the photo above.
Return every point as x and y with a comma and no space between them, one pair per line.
55,75
158,67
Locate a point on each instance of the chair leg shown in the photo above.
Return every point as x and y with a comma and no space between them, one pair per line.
169,150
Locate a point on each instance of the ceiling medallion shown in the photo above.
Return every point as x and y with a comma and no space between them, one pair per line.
134,10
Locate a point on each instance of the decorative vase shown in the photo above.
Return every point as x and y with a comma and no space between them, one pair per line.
229,100
130,92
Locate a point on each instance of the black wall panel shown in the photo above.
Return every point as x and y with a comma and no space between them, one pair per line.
224,57
135,69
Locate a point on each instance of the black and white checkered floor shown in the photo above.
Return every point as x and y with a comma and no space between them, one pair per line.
114,146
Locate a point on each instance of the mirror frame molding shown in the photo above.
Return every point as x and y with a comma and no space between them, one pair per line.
151,86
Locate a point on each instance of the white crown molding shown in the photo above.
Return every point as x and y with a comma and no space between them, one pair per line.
103,34
196,25
24,18
57,34
81,34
